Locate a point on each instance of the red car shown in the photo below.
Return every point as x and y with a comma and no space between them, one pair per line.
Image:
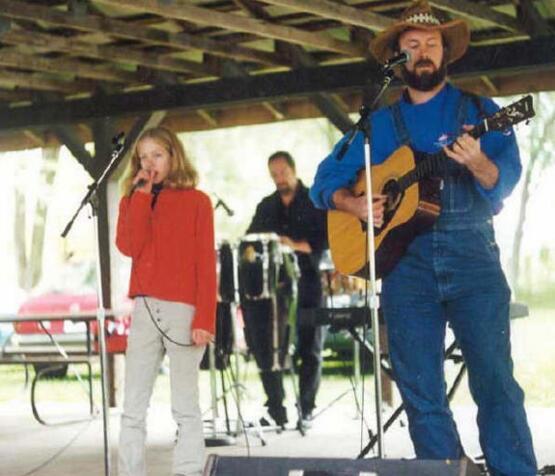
66,332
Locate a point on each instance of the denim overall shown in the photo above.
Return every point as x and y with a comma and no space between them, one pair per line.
452,274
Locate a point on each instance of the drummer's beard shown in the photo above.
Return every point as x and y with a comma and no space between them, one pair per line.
284,188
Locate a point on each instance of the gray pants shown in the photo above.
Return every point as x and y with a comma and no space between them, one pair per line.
145,350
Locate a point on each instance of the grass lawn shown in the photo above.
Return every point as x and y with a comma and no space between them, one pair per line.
533,355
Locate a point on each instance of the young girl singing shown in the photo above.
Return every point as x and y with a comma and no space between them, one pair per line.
166,226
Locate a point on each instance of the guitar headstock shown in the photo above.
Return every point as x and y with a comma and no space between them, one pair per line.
512,114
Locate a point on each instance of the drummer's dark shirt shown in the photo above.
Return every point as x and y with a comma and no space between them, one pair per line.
300,221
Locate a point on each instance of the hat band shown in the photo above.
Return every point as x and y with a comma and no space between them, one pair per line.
423,18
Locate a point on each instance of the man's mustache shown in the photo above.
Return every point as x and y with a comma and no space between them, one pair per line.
424,62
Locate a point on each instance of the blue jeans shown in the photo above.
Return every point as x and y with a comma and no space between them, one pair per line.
453,276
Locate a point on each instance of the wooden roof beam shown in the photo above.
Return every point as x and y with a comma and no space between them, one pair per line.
492,88
476,11
531,20
122,29
325,103
337,11
15,58
70,137
533,55
277,112
35,137
10,95
183,10
34,82
107,53
209,118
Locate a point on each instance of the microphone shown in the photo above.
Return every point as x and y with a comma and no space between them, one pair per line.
118,138
221,203
401,58
141,183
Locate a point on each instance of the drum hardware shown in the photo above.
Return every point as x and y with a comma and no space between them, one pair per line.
258,271
260,260
225,268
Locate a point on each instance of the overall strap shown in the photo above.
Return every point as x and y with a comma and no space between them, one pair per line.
401,130
462,110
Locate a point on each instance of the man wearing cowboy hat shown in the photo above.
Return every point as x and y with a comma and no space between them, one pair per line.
450,273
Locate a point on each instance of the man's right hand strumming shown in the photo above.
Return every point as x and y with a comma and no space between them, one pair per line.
345,201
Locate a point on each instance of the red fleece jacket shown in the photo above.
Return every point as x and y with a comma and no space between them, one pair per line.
172,248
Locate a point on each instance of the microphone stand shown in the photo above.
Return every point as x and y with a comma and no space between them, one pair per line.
221,203
373,303
91,198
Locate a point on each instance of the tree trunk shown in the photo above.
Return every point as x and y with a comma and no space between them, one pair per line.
19,237
519,232
30,266
47,175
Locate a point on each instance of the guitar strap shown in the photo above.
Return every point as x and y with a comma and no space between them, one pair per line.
466,99
402,133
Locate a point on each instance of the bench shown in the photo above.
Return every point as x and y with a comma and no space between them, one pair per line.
50,352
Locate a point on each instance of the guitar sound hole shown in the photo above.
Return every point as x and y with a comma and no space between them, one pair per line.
394,196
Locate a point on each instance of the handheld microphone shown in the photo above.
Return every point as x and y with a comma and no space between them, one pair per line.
141,183
402,58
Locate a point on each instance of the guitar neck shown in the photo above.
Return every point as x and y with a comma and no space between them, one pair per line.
435,164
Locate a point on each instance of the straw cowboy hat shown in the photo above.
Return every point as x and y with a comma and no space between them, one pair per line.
420,15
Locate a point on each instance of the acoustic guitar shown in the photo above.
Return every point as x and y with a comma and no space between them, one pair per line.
411,181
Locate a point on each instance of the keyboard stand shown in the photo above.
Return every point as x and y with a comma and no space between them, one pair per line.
450,353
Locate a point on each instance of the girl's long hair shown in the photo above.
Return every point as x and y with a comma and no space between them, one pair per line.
182,172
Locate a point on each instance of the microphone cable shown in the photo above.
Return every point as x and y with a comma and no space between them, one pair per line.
145,302
58,453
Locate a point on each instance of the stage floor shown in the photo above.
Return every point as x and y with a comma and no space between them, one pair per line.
25,444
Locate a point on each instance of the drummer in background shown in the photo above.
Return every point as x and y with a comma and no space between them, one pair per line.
290,213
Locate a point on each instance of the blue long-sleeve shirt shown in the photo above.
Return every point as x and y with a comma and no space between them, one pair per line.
431,126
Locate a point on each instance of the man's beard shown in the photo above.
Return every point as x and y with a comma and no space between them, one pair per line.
425,81
284,189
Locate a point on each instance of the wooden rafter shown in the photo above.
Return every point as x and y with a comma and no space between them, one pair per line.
14,96
537,55
337,11
122,29
35,138
324,102
107,53
14,59
31,81
533,23
183,10
70,137
476,11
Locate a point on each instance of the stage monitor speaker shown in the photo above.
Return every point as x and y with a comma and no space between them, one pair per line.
258,466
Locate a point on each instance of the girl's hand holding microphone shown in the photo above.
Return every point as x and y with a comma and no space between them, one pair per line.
143,181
